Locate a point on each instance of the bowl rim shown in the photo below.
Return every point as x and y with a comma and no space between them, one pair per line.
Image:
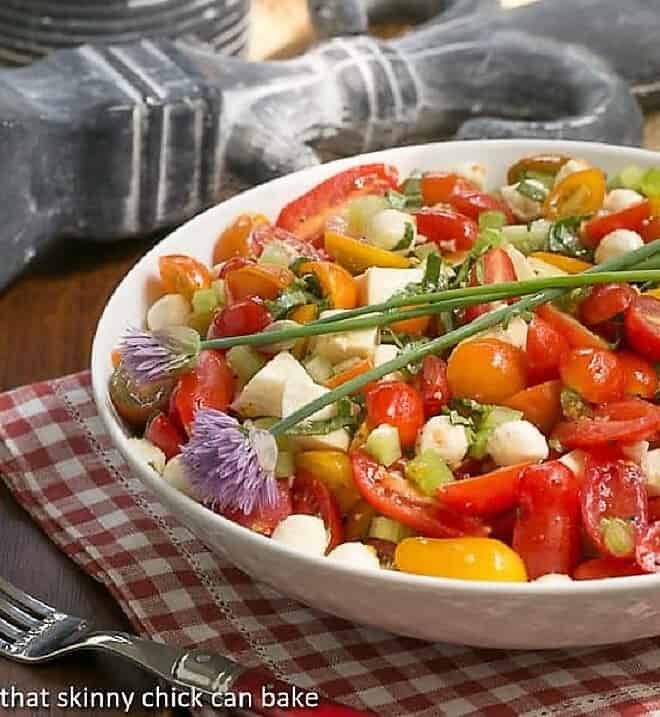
579,588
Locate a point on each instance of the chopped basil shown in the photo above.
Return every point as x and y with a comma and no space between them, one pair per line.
408,238
346,418
403,202
432,271
573,406
531,191
487,239
563,238
304,290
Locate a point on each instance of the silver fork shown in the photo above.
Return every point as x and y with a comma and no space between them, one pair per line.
33,632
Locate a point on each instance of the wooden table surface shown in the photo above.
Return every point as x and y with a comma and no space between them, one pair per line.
48,318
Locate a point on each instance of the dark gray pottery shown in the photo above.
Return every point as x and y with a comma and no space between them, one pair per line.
32,28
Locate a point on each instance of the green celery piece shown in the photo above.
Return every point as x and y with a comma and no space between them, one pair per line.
392,531
429,471
650,184
383,444
494,417
527,238
285,466
245,361
204,301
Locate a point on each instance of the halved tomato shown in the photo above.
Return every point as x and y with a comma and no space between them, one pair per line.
580,194
310,496
605,302
545,346
494,267
600,226
642,323
448,229
265,519
577,335
462,194
542,163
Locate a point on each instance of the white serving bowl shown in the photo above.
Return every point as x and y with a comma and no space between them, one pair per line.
495,615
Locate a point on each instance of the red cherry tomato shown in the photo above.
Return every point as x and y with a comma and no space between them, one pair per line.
240,319
595,374
545,347
642,324
310,496
209,385
570,328
496,266
399,405
654,509
605,302
629,218
613,488
639,376
647,553
166,435
236,262
431,382
623,421
600,568
462,194
547,532
394,497
650,230
450,230
306,216
485,495
264,520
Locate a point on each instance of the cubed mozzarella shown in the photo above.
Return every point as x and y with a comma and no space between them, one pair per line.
616,244
357,555
619,199
517,442
542,269
472,171
346,344
262,395
515,333
297,394
523,207
170,310
305,533
338,440
381,284
383,354
653,472
149,453
575,462
449,441
175,475
554,578
520,265
570,167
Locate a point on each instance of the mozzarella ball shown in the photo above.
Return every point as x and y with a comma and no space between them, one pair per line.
170,310
356,555
619,199
616,244
149,453
515,333
523,207
652,470
305,533
572,166
449,441
387,228
574,461
554,578
517,442
472,171
175,475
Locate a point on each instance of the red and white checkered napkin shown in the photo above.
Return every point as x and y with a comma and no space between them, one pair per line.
59,463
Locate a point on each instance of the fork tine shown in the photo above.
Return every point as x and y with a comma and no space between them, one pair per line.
20,618
8,631
24,601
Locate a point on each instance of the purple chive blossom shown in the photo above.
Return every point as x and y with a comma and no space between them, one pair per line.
231,466
158,355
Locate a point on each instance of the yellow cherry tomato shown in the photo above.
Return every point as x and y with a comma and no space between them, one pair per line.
655,293
461,559
654,206
303,315
566,263
334,469
486,370
357,256
579,194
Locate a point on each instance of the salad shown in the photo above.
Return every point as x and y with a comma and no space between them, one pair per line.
420,375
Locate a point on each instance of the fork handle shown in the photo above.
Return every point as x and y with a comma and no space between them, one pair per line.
212,674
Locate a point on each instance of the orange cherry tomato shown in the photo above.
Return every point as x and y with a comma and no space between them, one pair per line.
600,226
236,239
263,280
570,328
486,370
462,194
595,374
544,163
639,376
540,404
412,327
399,405
579,194
357,369
642,324
605,302
183,275
336,283
545,346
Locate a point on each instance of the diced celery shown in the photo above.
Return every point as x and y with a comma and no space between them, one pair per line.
204,301
382,528
318,368
360,211
631,177
527,238
495,417
492,220
429,471
285,466
278,253
650,184
244,361
383,444
201,321
283,443
219,288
